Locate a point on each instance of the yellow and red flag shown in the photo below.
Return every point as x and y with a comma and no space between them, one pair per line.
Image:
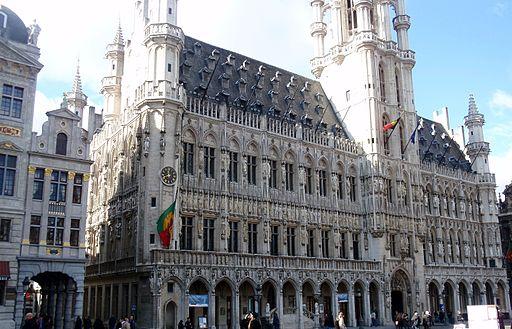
165,225
391,125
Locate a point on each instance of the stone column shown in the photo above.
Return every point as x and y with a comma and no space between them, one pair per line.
299,309
68,314
58,307
51,300
185,306
381,317
236,309
44,216
79,301
156,310
316,315
280,304
456,302
110,310
352,307
212,308
367,311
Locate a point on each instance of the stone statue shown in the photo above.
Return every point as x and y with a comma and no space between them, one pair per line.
267,310
445,205
162,144
147,142
452,207
334,182
436,202
462,207
245,230
33,33
265,169
200,228
302,175
440,248
303,235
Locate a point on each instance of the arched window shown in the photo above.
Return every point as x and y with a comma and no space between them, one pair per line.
397,83
61,147
401,131
351,15
382,83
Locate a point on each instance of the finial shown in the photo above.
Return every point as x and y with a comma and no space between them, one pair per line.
64,104
77,83
472,105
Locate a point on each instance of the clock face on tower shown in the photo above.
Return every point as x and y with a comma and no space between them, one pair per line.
168,175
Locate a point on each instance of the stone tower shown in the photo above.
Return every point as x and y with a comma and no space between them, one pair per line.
76,98
477,148
367,69
111,84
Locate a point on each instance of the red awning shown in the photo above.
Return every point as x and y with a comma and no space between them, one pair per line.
5,273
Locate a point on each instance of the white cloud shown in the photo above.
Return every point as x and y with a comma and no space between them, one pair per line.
501,100
43,104
500,165
499,8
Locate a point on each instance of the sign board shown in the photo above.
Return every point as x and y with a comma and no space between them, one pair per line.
342,298
202,322
198,300
459,326
482,316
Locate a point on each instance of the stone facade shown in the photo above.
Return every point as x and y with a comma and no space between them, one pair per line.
290,198
44,182
505,218
19,67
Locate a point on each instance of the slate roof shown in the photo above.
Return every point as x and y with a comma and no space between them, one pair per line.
435,148
15,29
214,72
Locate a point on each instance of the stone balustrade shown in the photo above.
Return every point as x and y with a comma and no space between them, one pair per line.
160,90
257,261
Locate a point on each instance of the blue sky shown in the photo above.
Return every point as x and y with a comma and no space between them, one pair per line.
462,46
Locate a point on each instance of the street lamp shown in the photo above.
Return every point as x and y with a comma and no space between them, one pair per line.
25,283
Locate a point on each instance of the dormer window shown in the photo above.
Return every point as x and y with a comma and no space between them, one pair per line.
3,19
61,145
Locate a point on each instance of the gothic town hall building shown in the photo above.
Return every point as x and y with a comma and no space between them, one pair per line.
291,199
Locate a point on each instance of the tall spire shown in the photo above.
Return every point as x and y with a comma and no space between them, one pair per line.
473,108
77,83
119,39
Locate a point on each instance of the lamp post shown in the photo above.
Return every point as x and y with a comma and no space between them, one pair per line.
25,283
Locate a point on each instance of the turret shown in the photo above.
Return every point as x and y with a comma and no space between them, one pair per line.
76,99
477,148
111,84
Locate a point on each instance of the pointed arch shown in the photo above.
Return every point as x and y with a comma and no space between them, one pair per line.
382,82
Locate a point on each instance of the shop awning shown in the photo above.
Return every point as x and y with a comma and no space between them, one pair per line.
5,273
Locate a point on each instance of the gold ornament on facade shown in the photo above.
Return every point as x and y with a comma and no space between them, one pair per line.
48,171
71,175
87,177
31,170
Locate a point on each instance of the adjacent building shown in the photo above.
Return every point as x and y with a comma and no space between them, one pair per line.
293,197
43,187
505,218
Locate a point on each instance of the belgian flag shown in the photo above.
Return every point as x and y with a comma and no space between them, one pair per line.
165,225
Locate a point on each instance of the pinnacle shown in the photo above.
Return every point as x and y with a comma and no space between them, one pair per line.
119,39
77,83
473,108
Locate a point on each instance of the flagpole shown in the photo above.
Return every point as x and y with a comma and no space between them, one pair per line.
460,156
476,156
410,138
445,151
431,142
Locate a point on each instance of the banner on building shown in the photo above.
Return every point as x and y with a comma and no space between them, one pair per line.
198,300
342,298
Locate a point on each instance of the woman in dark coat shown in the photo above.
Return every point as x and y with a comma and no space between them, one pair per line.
78,323
98,324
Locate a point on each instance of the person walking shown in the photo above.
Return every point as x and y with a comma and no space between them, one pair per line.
181,325
98,324
87,323
373,319
112,322
415,321
188,324
30,322
340,320
275,322
78,323
133,325
254,323
426,320
329,321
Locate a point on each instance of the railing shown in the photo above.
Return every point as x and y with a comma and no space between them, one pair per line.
162,89
467,270
164,30
318,27
57,208
245,118
203,107
114,266
111,81
221,259
309,135
278,126
448,171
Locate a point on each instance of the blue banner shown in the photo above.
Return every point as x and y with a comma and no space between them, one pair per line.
198,300
342,298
